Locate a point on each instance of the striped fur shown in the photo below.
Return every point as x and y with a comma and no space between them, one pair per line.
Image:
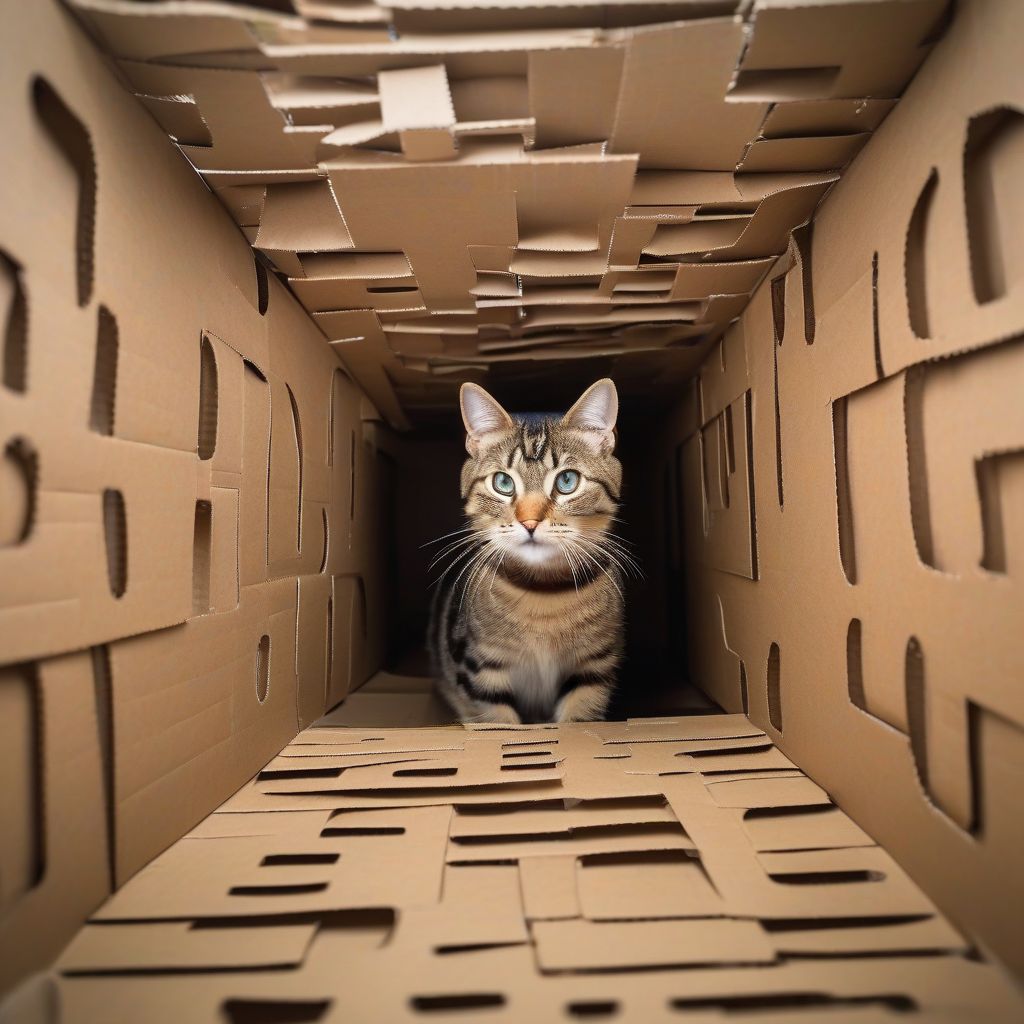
528,627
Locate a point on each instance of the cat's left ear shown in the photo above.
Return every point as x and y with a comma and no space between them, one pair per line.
482,415
594,415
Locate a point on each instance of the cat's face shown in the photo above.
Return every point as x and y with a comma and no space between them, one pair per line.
542,495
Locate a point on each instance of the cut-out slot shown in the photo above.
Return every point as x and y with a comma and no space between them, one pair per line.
993,473
779,84
730,441
392,290
297,430
744,694
914,259
274,1011
202,533
327,541
528,766
527,753
263,669
298,889
748,402
262,284
592,1009
826,877
876,333
103,691
775,687
457,1001
276,860
337,831
207,440
293,774
14,367
793,1001
22,840
104,377
115,534
993,166
778,425
854,666
914,682
72,139
844,497
19,478
803,237
917,466
778,295
425,772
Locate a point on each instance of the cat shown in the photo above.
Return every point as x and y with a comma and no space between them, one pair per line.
527,623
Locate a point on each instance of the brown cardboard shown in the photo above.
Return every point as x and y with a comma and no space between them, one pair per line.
714,926
207,521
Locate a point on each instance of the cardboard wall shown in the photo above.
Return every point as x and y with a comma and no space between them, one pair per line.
189,550
853,507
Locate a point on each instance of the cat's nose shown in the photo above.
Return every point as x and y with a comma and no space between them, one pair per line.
530,524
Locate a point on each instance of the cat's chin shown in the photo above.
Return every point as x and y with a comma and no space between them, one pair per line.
537,554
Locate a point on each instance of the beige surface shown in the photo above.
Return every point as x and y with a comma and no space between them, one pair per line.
614,874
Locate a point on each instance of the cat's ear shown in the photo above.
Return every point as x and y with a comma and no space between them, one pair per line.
594,415
482,415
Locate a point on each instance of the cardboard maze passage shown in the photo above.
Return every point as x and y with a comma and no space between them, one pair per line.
634,870
188,563
477,190
853,489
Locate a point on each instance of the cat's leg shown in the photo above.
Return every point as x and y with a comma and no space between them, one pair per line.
585,694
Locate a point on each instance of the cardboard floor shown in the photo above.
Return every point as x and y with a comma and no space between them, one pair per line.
641,870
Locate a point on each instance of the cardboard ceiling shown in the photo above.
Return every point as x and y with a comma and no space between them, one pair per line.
480,188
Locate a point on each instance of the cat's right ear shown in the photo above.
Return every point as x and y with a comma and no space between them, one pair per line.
482,416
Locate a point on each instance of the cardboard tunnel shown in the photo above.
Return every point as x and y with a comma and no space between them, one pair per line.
248,255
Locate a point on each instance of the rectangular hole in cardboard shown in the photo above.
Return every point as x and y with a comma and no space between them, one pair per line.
275,1011
262,284
72,139
104,379
23,838
592,1009
917,466
778,425
297,431
298,889
14,365
825,877
329,653
803,237
854,666
993,165
914,259
844,497
103,691
751,493
876,333
207,433
294,774
19,480
457,1001
263,669
338,831
327,541
202,533
775,687
744,694
778,295
275,860
793,1001
115,536
992,472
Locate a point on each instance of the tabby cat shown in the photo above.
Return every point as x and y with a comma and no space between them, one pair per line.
527,621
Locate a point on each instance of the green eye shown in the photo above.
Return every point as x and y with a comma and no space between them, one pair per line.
503,483
567,481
